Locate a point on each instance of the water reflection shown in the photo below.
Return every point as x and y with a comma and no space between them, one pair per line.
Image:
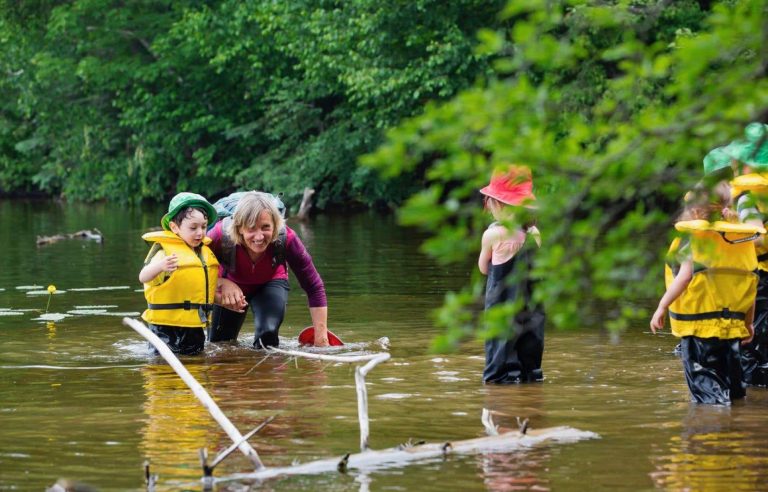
712,452
510,405
521,470
177,425
70,391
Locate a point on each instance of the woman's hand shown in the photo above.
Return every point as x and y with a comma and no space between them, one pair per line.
230,296
319,317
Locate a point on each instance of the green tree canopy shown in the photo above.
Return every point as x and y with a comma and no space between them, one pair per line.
141,99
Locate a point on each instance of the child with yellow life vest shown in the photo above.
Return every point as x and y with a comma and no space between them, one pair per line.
712,294
750,191
180,275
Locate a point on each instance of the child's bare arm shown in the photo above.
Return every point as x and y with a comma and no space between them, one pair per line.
678,285
485,251
156,266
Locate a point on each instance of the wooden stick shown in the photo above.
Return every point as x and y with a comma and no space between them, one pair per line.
374,459
372,360
362,396
234,446
198,390
346,359
487,419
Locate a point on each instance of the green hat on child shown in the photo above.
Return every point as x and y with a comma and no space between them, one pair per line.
716,159
751,150
184,200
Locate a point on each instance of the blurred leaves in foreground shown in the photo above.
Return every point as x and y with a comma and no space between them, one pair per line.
613,105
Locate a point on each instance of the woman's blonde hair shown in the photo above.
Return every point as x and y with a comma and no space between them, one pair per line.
247,213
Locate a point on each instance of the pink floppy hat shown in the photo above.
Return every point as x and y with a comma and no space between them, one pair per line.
513,187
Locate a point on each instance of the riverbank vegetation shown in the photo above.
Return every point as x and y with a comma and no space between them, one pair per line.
136,100
613,104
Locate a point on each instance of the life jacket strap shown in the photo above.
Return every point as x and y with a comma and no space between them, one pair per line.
724,314
740,240
762,257
186,305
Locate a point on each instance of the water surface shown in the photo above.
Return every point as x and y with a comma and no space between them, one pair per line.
80,399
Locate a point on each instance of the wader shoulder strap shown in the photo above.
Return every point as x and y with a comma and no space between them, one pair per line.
278,254
228,258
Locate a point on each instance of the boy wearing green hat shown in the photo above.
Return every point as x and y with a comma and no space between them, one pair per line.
750,191
180,274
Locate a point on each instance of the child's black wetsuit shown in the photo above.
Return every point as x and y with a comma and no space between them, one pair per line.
516,357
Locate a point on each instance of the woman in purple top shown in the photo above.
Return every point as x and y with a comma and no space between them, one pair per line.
253,247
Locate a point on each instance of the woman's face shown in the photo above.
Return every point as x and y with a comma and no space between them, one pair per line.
257,238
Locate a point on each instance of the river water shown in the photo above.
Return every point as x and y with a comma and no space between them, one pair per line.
80,399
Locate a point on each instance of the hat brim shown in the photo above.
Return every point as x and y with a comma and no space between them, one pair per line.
527,201
744,152
210,211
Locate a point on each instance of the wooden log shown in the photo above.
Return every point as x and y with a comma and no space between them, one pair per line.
43,240
198,390
402,456
94,235
306,205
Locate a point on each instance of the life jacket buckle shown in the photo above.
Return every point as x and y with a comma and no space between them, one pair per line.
187,305
727,313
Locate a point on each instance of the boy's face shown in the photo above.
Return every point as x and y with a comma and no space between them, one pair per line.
192,229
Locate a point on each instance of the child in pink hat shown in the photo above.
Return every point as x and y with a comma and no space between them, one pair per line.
506,256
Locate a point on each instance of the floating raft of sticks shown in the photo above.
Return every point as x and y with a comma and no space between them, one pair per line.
404,455
366,459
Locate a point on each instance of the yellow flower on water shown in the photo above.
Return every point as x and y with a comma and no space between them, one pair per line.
51,290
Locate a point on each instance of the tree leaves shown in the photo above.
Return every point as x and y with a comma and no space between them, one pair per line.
613,105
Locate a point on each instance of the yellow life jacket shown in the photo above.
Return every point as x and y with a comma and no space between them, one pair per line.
672,265
753,182
756,184
186,297
724,283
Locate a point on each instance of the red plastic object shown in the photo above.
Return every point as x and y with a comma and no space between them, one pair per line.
307,337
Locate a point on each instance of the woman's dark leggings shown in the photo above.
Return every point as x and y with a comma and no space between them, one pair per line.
268,306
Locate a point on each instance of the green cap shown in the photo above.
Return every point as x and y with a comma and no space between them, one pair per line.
716,159
184,200
752,150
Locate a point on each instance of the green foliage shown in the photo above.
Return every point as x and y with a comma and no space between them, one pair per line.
613,105
140,99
